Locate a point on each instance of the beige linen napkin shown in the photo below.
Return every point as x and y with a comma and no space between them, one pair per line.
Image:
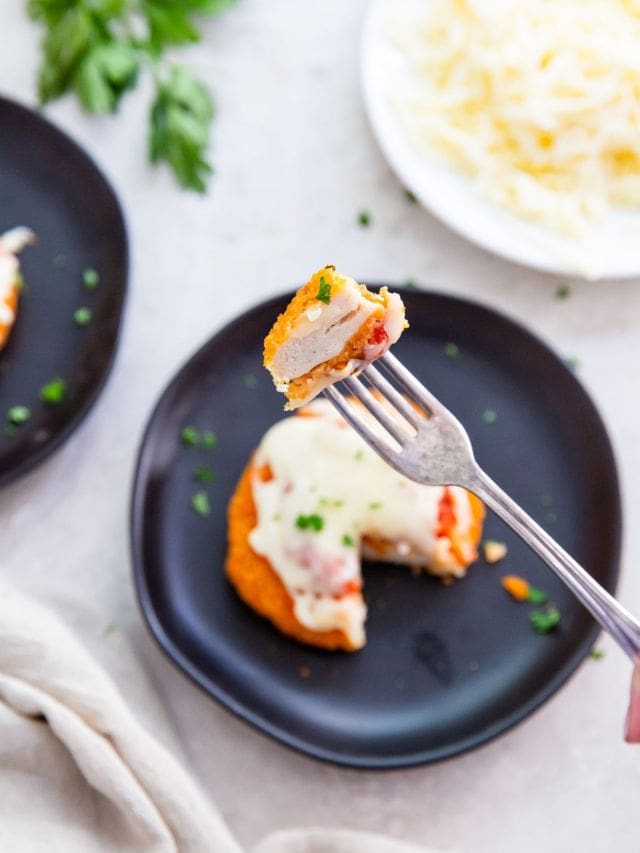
79,774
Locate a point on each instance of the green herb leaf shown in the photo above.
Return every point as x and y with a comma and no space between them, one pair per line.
573,363
190,436
91,279
563,292
410,284
18,415
59,262
324,291
546,500
375,505
545,620
203,474
364,219
596,654
359,455
250,381
53,392
348,541
489,416
103,76
536,596
180,117
410,197
452,350
313,522
200,503
209,440
83,316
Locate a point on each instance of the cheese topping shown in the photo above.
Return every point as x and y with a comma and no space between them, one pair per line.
537,100
326,490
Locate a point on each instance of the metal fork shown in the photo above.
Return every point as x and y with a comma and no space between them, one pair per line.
434,449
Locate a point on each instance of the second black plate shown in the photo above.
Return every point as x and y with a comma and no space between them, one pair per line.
50,185
444,669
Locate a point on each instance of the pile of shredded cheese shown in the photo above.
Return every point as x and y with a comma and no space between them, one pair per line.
538,101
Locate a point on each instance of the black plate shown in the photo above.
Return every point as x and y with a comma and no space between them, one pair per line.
444,669
49,184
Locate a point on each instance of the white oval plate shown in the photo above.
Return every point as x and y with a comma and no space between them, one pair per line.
610,250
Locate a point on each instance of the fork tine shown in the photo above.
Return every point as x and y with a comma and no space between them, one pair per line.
353,417
401,374
391,424
383,385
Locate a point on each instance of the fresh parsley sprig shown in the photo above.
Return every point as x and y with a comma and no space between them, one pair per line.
97,49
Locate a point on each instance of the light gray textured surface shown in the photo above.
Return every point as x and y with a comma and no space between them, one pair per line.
295,163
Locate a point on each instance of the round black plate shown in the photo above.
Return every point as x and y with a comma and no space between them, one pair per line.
444,669
49,184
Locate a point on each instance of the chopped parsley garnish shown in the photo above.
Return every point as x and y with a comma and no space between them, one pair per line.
59,261
209,440
200,503
551,517
18,415
375,505
91,279
203,474
190,436
250,381
313,522
545,620
82,316
349,541
596,654
325,502
452,350
410,284
410,197
573,363
489,416
364,219
53,392
563,292
546,500
536,596
324,291
359,455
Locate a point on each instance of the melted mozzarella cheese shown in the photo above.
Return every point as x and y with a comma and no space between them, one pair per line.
322,468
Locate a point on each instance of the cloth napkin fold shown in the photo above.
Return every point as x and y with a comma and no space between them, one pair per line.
79,773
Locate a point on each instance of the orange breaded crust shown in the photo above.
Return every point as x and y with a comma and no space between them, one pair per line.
305,298
11,302
255,580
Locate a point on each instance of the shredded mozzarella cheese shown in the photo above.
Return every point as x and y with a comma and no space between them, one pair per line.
538,101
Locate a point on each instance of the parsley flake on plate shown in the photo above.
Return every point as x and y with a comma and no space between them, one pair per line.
452,350
200,503
18,415
410,197
209,440
190,436
91,279
53,392
563,292
348,541
375,505
545,620
203,474
82,316
489,416
250,381
364,219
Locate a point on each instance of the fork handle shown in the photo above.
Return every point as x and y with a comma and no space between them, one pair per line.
611,615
